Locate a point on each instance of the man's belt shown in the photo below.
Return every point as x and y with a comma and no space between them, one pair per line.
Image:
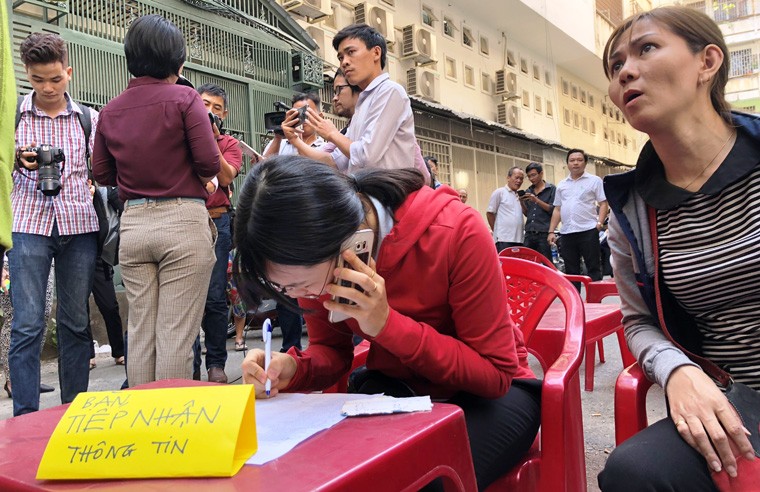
217,212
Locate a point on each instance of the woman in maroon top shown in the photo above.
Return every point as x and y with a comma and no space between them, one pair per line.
157,146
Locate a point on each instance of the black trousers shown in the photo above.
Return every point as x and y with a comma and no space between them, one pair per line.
500,245
104,293
656,459
501,431
291,325
538,242
584,245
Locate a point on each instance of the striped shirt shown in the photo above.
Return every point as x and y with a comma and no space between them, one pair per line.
711,262
72,210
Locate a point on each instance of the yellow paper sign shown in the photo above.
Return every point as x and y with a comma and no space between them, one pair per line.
202,431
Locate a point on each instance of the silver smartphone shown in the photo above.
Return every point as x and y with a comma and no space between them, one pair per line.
249,151
360,243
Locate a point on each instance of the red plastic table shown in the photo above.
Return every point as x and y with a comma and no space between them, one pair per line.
393,452
601,320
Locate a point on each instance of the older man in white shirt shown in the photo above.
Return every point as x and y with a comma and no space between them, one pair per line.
504,212
575,204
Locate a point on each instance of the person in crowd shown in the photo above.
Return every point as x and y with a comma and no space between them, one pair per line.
167,238
344,101
432,164
381,134
47,226
683,235
462,194
215,316
291,323
454,340
575,205
307,136
239,309
537,205
104,292
504,212
5,326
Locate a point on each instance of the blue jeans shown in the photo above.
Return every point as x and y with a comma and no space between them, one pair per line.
29,262
216,316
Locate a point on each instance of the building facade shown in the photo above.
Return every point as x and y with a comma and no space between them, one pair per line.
494,84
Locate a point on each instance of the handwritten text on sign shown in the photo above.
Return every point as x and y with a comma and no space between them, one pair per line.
153,433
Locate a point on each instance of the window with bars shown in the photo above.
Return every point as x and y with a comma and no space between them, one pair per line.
725,10
742,62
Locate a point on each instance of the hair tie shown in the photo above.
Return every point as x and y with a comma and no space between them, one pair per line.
354,182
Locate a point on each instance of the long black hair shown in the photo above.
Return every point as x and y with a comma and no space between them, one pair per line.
296,211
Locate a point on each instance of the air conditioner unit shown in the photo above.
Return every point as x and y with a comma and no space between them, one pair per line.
423,83
314,9
418,43
377,17
508,114
506,81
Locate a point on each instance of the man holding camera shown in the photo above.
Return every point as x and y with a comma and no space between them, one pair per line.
218,204
53,218
504,212
281,145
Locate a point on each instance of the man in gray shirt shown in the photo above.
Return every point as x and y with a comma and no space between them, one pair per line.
537,205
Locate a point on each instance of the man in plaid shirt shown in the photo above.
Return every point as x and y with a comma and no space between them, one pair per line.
62,227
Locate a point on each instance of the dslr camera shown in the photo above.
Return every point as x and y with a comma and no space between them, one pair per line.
216,121
49,170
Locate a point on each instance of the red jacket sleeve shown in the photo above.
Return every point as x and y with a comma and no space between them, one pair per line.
481,358
329,354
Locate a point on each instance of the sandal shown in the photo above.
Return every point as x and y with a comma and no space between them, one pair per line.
240,346
119,361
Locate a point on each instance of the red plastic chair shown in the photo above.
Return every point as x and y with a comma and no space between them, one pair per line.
595,329
631,390
556,462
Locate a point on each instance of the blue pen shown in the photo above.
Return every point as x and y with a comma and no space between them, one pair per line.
266,333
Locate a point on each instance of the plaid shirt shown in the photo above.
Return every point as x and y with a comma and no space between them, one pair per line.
72,210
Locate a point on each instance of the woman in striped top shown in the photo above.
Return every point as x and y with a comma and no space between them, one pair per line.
685,239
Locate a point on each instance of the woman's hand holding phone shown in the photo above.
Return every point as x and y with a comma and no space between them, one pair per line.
371,308
282,368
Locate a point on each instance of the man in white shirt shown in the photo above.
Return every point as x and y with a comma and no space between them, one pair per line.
283,146
575,204
504,212
381,133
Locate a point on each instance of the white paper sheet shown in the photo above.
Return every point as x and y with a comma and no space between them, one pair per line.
289,418
383,405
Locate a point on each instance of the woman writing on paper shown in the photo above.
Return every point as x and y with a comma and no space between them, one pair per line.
433,305
685,243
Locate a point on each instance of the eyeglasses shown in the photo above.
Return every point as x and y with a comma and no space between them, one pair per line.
340,87
284,289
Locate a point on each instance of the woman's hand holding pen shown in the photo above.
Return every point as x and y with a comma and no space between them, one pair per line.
705,419
282,368
371,310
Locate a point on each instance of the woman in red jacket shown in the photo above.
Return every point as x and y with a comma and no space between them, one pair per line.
433,306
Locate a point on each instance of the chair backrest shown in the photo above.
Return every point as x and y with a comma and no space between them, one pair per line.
531,289
526,254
